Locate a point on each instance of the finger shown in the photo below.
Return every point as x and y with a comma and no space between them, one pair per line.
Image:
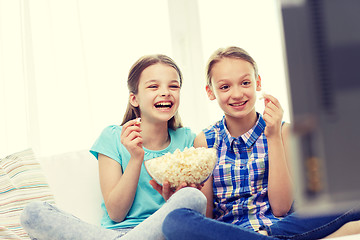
270,109
272,99
269,121
266,101
273,110
125,132
193,185
198,186
134,122
271,118
166,190
130,123
272,105
156,186
133,139
138,121
133,135
182,185
266,118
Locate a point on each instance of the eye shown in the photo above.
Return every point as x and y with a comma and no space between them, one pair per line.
246,82
154,86
224,87
174,86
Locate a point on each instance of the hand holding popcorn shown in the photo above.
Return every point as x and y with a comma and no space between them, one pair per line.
272,115
132,139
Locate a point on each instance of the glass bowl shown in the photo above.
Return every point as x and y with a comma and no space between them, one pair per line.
192,166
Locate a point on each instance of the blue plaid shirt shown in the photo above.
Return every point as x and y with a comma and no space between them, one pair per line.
241,176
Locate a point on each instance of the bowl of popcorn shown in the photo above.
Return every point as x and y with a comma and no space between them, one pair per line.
192,166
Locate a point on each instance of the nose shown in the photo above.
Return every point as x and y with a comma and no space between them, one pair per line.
164,92
237,93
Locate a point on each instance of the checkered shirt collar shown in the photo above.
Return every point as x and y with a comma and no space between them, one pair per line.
249,138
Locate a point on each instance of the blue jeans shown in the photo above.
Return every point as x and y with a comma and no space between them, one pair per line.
43,221
186,224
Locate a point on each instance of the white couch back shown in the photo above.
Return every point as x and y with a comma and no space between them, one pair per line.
74,180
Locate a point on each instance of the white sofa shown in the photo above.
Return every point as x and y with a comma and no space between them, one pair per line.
74,184
74,180
76,174
69,180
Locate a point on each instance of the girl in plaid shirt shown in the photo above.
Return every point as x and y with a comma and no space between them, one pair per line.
251,184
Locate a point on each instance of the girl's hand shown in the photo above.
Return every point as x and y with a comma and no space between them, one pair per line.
132,140
167,192
272,115
165,189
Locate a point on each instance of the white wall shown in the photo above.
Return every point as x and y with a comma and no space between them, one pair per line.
64,63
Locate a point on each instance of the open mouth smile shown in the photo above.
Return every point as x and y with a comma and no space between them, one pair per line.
163,105
238,104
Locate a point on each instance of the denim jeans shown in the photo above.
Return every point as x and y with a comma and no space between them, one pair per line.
186,224
43,221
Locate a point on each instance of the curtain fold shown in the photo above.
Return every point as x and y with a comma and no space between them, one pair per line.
64,64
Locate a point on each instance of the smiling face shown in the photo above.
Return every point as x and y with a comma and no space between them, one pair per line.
158,93
234,86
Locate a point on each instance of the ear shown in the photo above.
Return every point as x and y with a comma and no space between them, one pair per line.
258,83
210,93
133,100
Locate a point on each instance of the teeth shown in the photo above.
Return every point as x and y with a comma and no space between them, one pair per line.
238,104
163,104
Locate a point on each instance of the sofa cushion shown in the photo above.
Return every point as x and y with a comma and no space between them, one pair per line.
74,180
21,181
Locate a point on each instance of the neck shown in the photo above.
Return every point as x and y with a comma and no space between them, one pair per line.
155,136
239,126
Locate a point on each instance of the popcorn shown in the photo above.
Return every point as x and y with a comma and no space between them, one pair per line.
193,165
262,96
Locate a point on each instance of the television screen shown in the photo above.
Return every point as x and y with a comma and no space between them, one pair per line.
322,45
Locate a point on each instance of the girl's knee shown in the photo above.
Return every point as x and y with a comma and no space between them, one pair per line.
31,212
181,222
179,215
174,218
191,198
190,192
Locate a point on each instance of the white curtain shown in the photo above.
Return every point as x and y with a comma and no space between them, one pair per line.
64,63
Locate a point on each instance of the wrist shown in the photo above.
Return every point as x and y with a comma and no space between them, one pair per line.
274,137
136,159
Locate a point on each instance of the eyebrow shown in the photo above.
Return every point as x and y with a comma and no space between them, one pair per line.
242,77
245,75
155,81
151,81
177,81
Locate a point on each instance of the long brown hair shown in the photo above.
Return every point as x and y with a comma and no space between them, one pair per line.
229,52
133,85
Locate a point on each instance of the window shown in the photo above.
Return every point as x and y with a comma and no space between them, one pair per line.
64,64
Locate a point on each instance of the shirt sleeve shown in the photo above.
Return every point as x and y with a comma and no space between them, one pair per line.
108,143
210,136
